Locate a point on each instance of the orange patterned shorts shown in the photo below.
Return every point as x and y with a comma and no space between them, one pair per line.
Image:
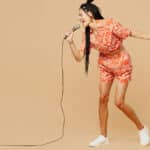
117,66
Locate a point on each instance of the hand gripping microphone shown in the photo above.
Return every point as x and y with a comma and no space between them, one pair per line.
76,27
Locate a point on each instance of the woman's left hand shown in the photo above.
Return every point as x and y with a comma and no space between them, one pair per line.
136,34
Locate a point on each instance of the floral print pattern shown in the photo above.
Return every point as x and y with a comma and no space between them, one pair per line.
107,38
118,65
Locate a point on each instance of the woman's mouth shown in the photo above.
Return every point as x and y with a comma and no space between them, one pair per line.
82,21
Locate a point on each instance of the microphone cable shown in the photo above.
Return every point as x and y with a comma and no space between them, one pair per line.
63,124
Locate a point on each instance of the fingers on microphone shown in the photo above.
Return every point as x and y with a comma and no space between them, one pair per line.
68,33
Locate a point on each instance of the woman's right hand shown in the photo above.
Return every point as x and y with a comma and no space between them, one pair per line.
70,37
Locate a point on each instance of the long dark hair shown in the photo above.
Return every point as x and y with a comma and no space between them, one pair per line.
86,7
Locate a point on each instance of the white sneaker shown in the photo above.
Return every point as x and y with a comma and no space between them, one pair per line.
99,140
144,136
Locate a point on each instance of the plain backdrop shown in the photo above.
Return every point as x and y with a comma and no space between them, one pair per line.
31,33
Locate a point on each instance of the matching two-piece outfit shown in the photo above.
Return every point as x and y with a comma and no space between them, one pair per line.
114,61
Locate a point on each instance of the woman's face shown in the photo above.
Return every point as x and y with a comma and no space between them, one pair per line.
84,18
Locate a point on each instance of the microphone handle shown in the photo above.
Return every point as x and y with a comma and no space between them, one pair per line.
73,30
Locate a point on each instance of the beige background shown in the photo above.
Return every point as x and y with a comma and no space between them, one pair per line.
30,80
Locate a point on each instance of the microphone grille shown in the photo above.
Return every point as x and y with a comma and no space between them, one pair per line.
76,27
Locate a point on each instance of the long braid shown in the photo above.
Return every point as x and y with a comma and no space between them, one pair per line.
89,7
87,48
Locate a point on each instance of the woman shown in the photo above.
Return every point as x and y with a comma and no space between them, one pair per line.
106,35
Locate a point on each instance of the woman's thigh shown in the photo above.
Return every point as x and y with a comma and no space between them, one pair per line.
105,87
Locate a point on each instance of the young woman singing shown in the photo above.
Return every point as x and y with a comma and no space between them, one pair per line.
106,35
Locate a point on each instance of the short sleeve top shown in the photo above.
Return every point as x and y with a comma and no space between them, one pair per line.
109,36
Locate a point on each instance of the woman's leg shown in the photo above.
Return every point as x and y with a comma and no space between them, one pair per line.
126,109
104,89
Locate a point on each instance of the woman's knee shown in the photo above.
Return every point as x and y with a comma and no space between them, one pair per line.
119,102
104,98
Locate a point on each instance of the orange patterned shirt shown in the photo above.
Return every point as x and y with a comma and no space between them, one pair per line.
108,37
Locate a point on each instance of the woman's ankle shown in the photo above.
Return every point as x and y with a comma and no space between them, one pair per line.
104,134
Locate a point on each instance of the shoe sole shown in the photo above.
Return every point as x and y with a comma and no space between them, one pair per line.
105,142
147,144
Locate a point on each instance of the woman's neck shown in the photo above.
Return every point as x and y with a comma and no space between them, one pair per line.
95,23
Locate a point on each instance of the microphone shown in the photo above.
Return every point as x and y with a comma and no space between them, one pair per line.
76,27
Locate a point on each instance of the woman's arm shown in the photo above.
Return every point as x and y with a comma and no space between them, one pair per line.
123,32
138,35
78,54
